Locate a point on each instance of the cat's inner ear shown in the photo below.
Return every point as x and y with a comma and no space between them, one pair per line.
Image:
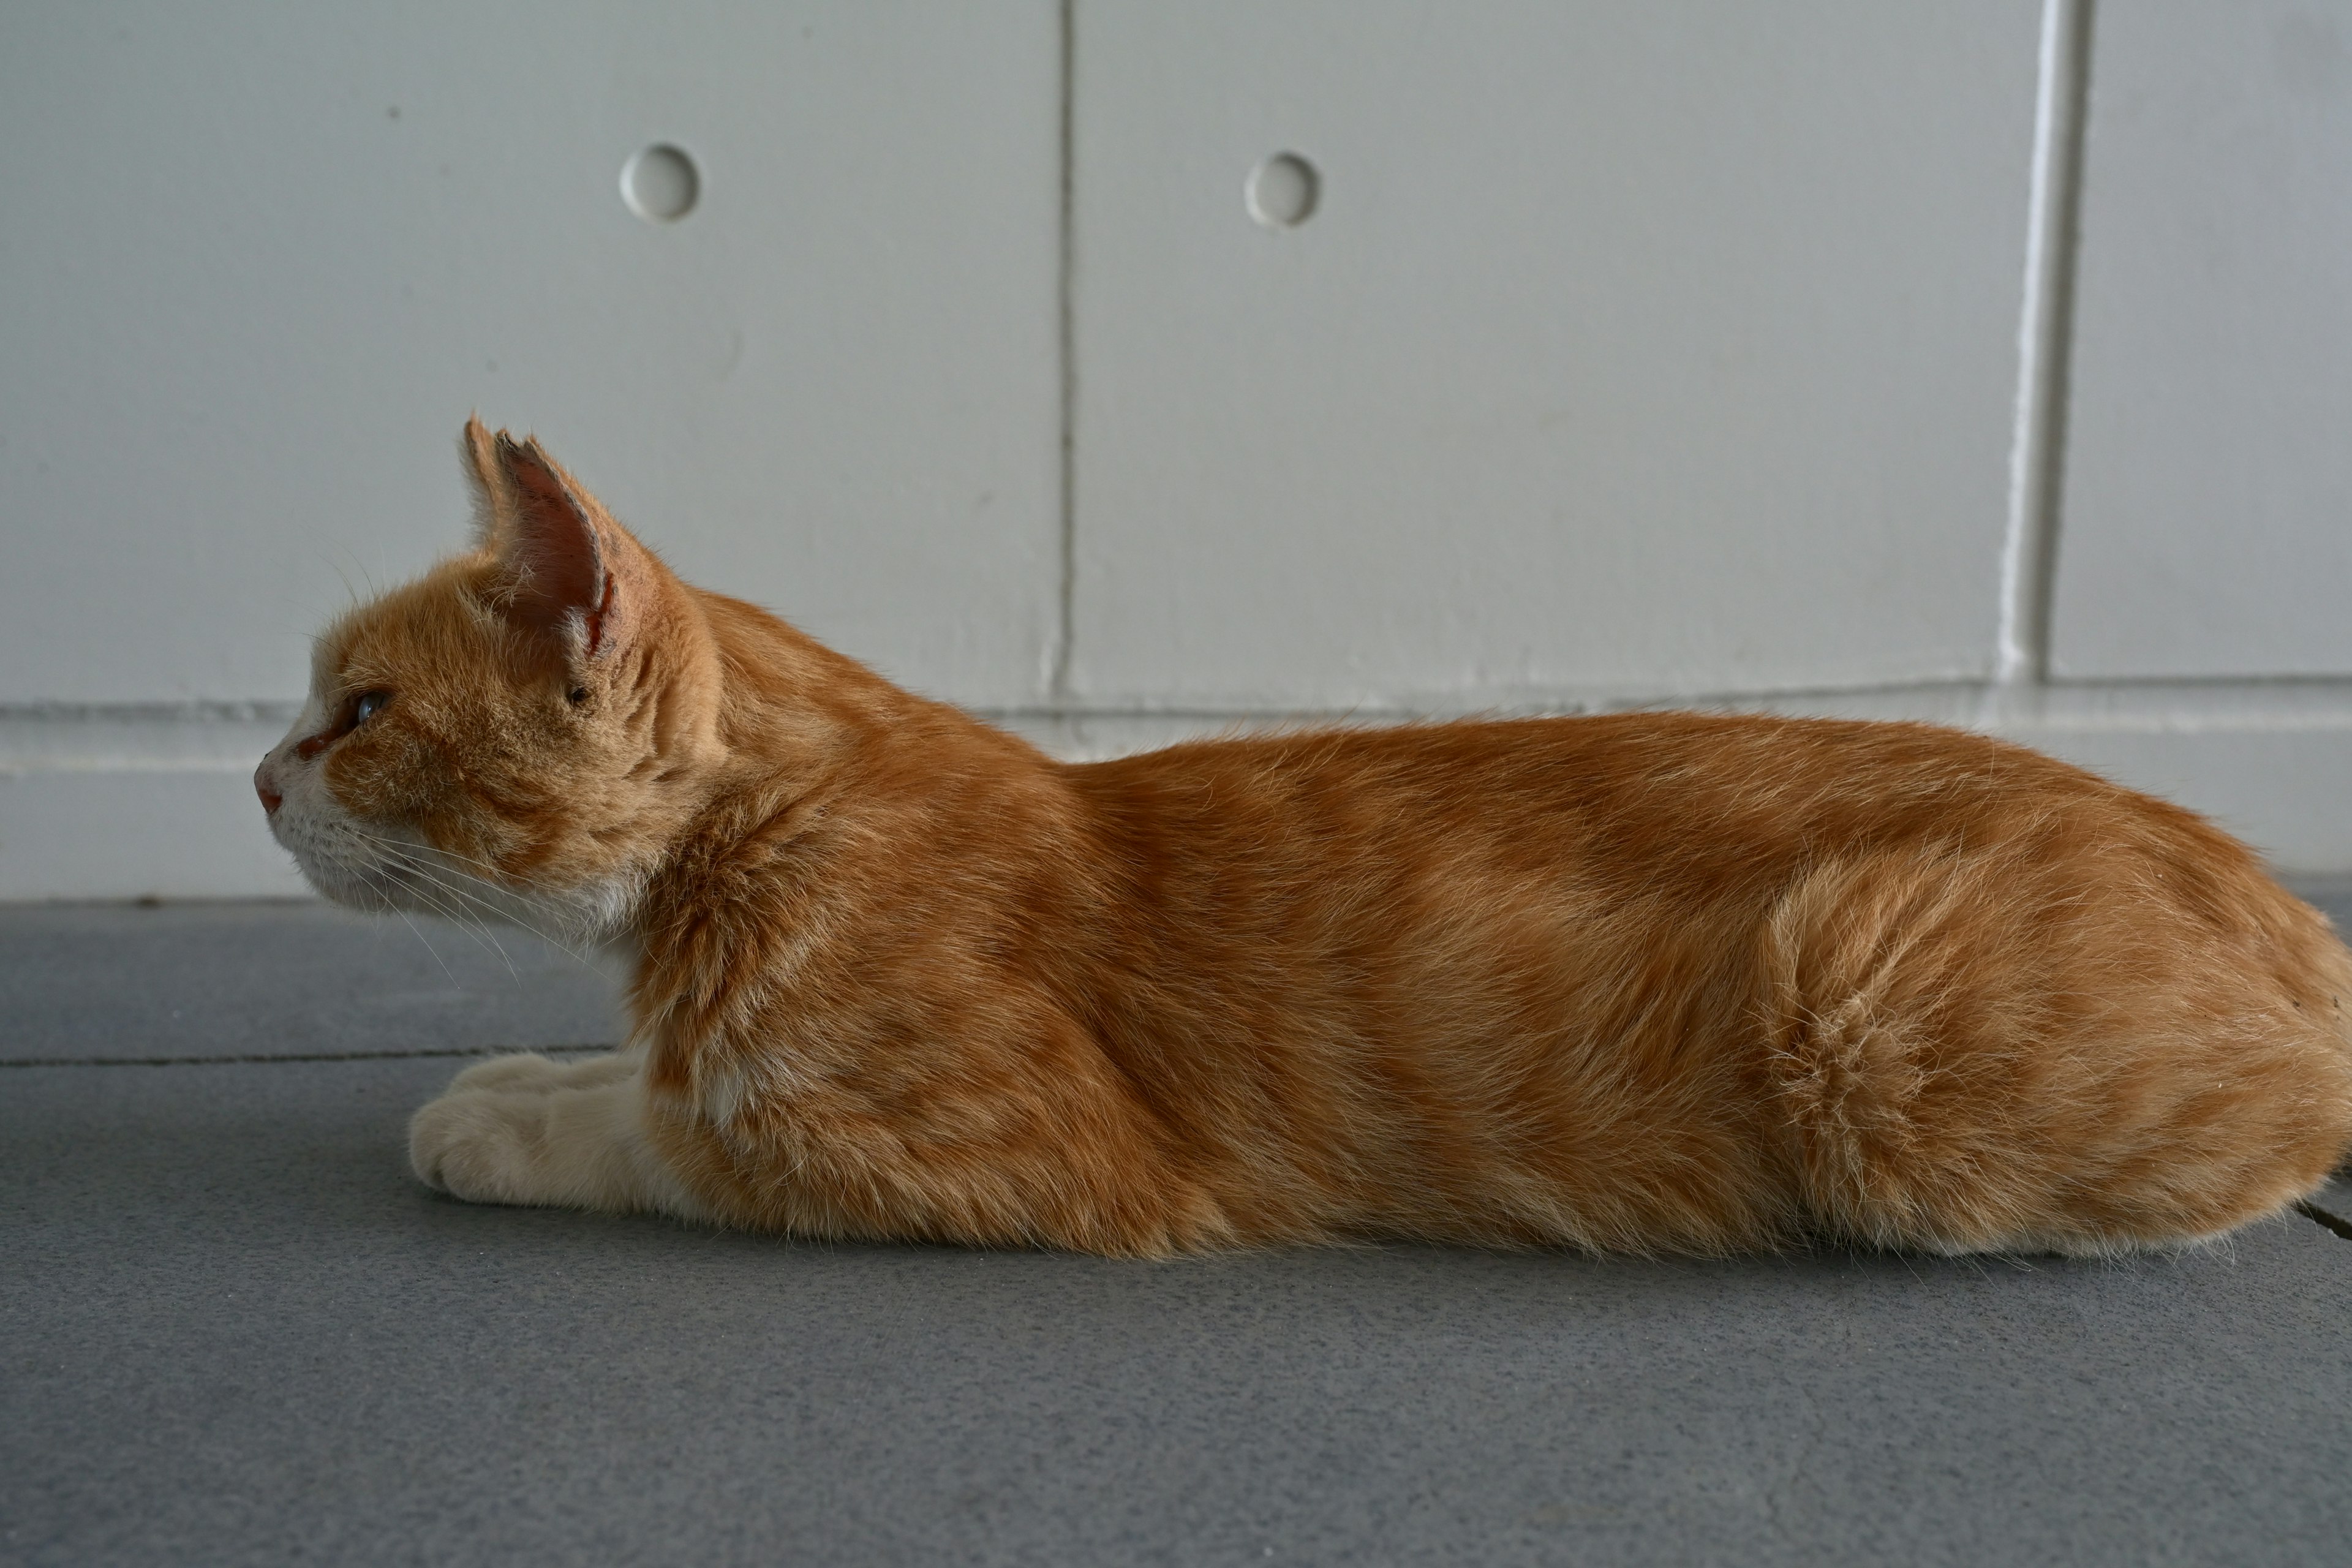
556,561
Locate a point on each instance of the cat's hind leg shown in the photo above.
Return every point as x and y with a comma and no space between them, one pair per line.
582,1143
2009,1057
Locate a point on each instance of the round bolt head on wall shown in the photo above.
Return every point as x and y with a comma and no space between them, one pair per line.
1283,190
660,184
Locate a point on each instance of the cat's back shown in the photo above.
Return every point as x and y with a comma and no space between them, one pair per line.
1647,827
1673,797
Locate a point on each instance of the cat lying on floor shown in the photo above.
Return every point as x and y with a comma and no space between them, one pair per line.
1651,982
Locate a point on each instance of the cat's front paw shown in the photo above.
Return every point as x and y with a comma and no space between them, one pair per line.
523,1072
528,1072
478,1144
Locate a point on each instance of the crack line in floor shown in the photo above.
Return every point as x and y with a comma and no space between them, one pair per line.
2324,1220
285,1057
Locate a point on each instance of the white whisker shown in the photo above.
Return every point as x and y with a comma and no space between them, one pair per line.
437,959
425,865
455,915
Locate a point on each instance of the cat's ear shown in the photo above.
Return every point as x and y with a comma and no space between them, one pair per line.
563,563
492,500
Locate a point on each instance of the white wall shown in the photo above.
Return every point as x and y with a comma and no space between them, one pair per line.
1988,363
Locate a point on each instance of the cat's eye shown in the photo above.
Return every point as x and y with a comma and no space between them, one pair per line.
354,713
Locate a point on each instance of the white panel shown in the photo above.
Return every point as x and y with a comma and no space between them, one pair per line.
1655,346
2208,523
257,261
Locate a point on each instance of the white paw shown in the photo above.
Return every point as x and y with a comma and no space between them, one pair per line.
480,1144
526,1072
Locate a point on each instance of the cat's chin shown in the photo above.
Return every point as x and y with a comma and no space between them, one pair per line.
386,870
374,889
429,882
338,887
375,893
335,859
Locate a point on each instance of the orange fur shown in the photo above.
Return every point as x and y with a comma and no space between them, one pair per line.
1654,980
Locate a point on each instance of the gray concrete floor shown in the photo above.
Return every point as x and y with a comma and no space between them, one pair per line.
235,1330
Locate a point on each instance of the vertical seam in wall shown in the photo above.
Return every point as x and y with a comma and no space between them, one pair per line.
1058,675
2044,341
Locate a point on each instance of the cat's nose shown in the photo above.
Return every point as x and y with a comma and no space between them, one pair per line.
270,799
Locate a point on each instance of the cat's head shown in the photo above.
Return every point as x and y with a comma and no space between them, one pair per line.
520,732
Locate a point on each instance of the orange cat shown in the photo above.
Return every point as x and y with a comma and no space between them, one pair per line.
1657,981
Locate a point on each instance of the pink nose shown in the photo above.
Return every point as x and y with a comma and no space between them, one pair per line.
270,799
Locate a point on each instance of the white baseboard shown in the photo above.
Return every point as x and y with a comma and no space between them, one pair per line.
158,804
135,834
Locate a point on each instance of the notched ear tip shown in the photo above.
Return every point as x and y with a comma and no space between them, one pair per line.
536,450
528,464
537,474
